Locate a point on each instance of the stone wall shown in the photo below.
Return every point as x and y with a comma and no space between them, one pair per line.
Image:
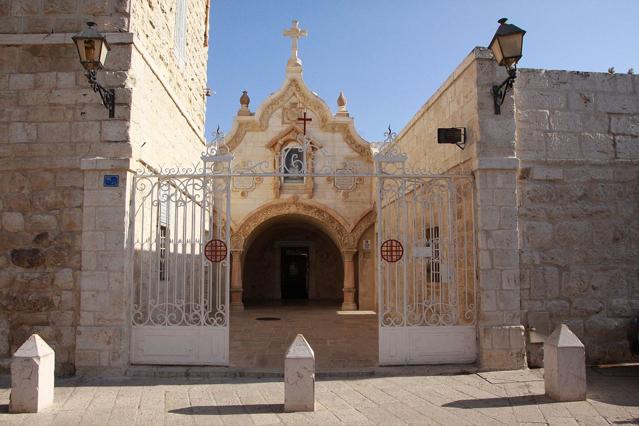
62,235
577,140
153,23
465,100
165,128
62,16
49,120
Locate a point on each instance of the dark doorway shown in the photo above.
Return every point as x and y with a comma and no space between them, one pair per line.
294,273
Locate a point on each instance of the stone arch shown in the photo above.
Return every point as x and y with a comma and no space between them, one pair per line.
365,221
325,218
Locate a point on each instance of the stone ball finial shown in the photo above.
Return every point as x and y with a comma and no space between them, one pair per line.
341,104
244,104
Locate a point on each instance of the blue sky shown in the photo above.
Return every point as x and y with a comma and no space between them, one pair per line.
389,56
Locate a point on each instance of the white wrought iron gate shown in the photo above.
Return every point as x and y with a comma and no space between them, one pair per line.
180,239
426,265
180,268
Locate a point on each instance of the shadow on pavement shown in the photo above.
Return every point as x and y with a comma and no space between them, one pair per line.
230,409
500,402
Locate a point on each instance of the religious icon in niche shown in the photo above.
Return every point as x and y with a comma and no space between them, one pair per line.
293,163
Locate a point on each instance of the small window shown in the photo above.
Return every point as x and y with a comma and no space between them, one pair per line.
162,249
433,268
163,221
293,164
179,41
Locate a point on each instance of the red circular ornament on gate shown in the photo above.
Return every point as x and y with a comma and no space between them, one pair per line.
392,250
215,251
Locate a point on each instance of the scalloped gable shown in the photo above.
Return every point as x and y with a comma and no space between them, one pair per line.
295,87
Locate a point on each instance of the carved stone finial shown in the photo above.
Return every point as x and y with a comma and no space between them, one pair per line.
341,105
244,104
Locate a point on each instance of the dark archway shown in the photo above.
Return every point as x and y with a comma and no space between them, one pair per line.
288,257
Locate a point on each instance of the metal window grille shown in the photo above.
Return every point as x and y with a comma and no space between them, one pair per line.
180,30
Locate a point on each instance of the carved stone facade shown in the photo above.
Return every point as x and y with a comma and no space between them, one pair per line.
339,207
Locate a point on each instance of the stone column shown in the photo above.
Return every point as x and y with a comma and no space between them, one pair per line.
501,334
236,280
102,338
349,281
502,343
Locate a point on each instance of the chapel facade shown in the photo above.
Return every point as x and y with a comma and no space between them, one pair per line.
469,255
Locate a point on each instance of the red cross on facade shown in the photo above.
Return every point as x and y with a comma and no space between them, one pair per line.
304,119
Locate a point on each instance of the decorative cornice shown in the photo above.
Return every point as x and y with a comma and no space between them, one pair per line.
295,86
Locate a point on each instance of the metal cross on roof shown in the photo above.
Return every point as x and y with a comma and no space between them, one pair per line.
304,119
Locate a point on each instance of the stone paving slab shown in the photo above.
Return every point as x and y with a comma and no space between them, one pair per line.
506,397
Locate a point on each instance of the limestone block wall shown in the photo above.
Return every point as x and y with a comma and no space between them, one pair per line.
160,133
62,16
62,243
454,104
465,100
49,120
154,24
577,140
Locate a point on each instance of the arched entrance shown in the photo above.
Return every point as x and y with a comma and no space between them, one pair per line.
294,271
288,258
327,225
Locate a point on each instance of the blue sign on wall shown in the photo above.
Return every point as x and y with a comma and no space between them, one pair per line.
111,181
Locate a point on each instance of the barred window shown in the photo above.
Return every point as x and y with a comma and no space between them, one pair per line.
163,220
162,248
179,41
433,268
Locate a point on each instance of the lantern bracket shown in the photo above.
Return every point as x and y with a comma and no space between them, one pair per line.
499,92
107,95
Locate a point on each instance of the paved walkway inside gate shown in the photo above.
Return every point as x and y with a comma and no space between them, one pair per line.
508,397
260,335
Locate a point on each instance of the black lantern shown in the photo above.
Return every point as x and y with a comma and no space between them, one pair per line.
506,45
92,49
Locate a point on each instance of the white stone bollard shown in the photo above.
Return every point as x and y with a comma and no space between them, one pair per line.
299,376
565,366
32,376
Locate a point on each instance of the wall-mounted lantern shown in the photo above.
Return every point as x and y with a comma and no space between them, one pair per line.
92,49
506,45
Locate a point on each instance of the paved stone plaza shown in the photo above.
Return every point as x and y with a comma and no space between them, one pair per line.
341,340
507,397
